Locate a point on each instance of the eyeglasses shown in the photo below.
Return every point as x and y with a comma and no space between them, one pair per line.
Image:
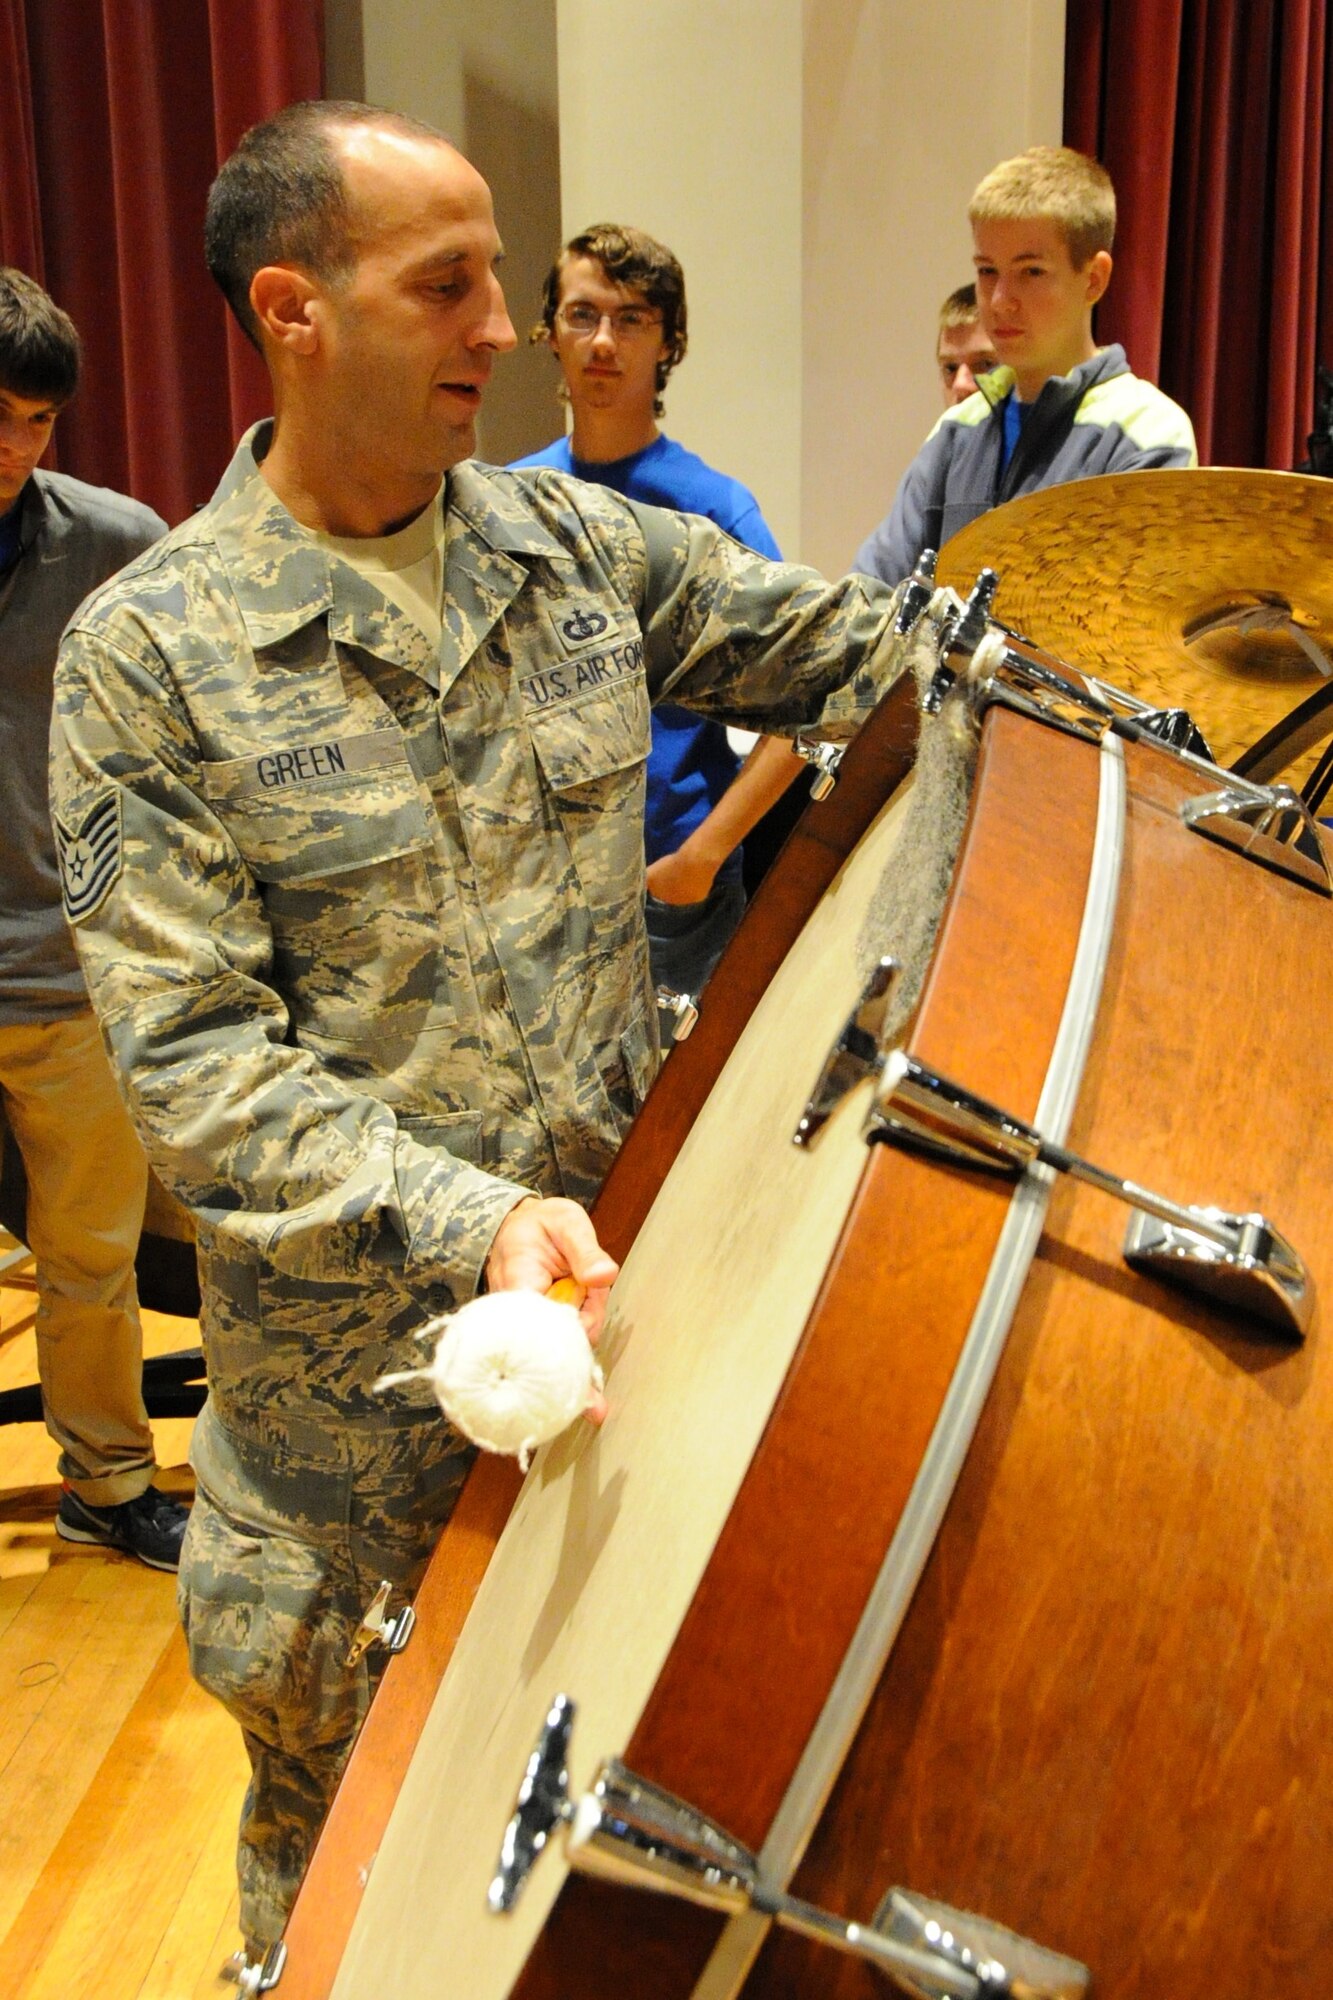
626,321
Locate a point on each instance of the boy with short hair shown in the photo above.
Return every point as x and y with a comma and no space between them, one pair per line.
963,351
1058,407
85,1169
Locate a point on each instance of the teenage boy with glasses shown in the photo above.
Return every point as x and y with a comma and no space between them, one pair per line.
613,314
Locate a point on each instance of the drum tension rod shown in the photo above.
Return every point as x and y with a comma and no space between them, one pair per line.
1267,824
629,1831
859,1052
683,1010
980,657
918,592
825,757
261,1975
1240,1260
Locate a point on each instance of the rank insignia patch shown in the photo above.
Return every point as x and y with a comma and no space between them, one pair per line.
90,858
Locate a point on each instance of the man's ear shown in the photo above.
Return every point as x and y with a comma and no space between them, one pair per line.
285,302
1098,275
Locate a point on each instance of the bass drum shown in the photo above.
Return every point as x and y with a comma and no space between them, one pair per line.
926,1544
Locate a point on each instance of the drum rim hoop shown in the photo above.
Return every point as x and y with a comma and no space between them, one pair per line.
890,1598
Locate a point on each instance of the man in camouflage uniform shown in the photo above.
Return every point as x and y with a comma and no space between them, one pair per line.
361,888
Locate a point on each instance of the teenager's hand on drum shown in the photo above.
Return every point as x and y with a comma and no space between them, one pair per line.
682,877
687,876
540,1241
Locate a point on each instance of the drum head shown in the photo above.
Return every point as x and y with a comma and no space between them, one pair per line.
614,1528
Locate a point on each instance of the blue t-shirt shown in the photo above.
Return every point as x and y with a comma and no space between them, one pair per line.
691,763
1014,414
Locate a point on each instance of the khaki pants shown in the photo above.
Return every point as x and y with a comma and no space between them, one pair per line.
87,1178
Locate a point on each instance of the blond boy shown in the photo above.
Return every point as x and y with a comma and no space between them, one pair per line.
963,351
1058,407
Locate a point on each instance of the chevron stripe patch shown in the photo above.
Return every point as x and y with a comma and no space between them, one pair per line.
90,858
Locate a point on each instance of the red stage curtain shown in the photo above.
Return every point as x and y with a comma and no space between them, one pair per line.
20,220
115,115
1215,120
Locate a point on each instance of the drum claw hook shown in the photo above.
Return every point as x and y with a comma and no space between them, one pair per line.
626,1829
858,1053
1241,1260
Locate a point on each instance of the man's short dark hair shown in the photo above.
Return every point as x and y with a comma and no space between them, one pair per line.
629,257
39,344
281,199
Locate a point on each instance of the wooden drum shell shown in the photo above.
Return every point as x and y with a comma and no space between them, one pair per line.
1107,1721
727,1722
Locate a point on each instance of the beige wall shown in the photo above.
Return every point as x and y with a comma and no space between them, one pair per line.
684,116
905,108
808,160
484,71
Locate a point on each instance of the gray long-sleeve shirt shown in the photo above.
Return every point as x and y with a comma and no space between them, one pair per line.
73,537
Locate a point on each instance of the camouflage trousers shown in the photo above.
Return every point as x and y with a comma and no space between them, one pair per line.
268,1621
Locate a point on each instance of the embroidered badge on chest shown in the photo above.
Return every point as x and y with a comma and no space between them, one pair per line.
575,627
91,857
584,625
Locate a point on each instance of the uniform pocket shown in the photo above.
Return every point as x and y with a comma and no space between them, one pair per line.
587,741
306,819
456,1132
268,1621
633,1067
344,860
593,754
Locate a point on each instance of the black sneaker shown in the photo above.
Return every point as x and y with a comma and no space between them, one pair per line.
151,1527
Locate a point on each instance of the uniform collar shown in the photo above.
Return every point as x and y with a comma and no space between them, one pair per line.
282,579
491,538
492,507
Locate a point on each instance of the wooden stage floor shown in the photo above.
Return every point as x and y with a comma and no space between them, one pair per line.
120,1780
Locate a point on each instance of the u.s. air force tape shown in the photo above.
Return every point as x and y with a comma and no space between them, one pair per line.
90,857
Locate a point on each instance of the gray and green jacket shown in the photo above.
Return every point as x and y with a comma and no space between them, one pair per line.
1098,418
362,918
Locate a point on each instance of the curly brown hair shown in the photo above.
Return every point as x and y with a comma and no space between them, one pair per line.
629,257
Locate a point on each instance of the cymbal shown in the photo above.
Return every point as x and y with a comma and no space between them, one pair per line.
1206,589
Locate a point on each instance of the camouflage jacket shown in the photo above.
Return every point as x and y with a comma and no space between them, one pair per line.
362,920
